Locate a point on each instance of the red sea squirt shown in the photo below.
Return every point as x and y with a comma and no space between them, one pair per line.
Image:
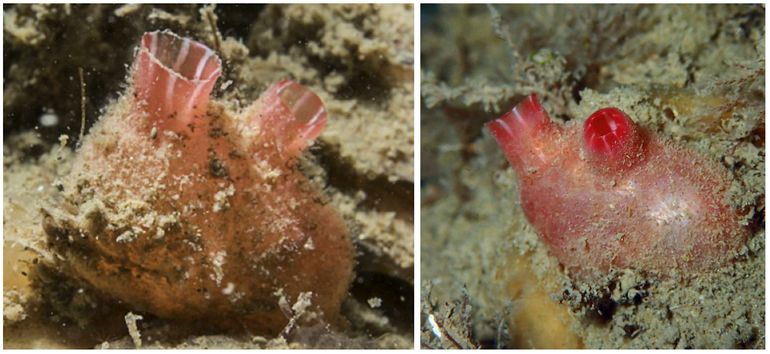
178,209
611,194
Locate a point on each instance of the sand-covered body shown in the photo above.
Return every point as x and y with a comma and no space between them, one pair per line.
206,220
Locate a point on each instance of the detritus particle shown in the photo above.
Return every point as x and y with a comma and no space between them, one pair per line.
216,167
631,330
216,132
602,308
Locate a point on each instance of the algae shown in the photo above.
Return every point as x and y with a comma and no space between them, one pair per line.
694,73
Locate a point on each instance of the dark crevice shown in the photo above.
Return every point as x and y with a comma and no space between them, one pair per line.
381,194
396,296
235,20
590,79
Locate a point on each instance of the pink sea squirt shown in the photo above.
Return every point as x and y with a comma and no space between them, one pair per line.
177,208
611,194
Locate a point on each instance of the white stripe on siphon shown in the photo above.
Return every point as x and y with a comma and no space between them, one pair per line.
169,93
182,55
605,143
505,126
317,116
193,98
283,86
307,95
151,80
202,64
153,43
518,116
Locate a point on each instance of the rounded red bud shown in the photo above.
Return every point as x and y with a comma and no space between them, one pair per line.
611,139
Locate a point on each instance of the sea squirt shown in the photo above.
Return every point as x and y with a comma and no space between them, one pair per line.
611,194
178,209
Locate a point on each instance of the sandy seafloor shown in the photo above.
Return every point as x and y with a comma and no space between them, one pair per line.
692,73
357,58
